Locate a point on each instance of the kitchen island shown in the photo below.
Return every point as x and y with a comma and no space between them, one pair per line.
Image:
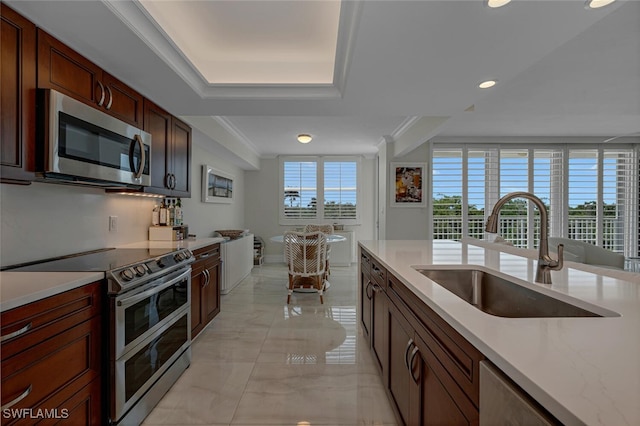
582,370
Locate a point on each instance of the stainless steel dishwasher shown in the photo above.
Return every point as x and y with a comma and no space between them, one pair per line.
502,402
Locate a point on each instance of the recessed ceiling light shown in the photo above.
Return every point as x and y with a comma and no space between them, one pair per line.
597,4
487,84
496,3
304,138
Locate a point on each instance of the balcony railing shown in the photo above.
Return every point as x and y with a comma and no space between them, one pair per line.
514,229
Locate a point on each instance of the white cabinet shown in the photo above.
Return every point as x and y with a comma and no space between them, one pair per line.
237,261
343,253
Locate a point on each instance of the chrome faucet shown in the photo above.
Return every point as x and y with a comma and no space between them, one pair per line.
545,263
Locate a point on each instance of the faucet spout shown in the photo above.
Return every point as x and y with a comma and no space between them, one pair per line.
545,263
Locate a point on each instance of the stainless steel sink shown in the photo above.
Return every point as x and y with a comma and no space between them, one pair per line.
500,297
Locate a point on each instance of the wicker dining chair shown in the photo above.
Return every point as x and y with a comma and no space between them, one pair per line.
306,256
325,229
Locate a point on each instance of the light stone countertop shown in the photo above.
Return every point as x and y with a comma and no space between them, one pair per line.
583,370
20,288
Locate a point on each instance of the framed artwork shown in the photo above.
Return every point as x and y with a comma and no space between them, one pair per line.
217,186
407,181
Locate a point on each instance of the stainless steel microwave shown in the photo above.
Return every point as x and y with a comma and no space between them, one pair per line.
78,144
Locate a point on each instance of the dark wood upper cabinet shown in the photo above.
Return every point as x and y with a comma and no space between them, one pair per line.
170,152
63,69
17,97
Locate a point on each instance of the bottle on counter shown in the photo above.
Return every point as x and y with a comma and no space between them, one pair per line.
171,215
155,215
178,213
163,214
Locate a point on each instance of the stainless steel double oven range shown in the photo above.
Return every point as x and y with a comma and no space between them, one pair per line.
148,326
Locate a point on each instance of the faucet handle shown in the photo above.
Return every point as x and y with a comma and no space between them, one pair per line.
557,264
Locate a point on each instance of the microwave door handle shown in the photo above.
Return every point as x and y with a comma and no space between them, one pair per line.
143,158
141,296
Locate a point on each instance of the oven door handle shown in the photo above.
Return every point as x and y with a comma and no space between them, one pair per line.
141,296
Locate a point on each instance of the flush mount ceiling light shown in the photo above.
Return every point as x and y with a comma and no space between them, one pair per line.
304,138
494,4
597,4
487,84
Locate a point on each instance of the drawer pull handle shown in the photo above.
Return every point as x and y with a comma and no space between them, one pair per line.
22,396
406,354
16,333
413,356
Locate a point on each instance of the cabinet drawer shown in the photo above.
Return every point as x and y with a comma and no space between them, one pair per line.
207,253
71,358
378,274
458,357
365,263
38,321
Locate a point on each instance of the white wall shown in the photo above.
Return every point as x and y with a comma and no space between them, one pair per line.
44,220
262,205
205,218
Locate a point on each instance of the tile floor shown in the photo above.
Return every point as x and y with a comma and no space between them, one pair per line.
261,362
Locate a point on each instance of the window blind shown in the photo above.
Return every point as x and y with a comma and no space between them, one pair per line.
591,194
340,189
300,189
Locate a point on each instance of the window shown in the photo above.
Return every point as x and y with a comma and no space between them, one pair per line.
321,189
590,193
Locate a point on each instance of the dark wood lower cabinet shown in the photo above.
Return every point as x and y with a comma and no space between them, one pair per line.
205,287
429,370
52,360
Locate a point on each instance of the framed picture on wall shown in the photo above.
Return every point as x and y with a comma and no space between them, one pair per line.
407,181
217,186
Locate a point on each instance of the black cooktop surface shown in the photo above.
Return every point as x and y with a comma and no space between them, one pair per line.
99,261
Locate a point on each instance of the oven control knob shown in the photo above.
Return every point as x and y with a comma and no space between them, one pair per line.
179,257
126,274
160,263
187,254
140,270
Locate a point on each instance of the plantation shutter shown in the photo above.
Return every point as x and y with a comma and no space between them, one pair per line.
300,189
447,193
340,189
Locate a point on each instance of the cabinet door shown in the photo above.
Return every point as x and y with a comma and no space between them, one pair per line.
17,97
122,101
398,376
366,294
198,316
379,307
212,290
441,401
157,122
180,159
63,69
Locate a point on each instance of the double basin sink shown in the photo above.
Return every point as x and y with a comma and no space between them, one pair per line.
501,297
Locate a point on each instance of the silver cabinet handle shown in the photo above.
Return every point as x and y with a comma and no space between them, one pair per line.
366,290
413,355
110,98
101,101
406,353
173,181
22,396
16,333
207,277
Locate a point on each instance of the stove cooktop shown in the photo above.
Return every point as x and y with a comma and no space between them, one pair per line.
100,261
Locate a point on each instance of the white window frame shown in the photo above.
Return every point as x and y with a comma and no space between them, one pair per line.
319,218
